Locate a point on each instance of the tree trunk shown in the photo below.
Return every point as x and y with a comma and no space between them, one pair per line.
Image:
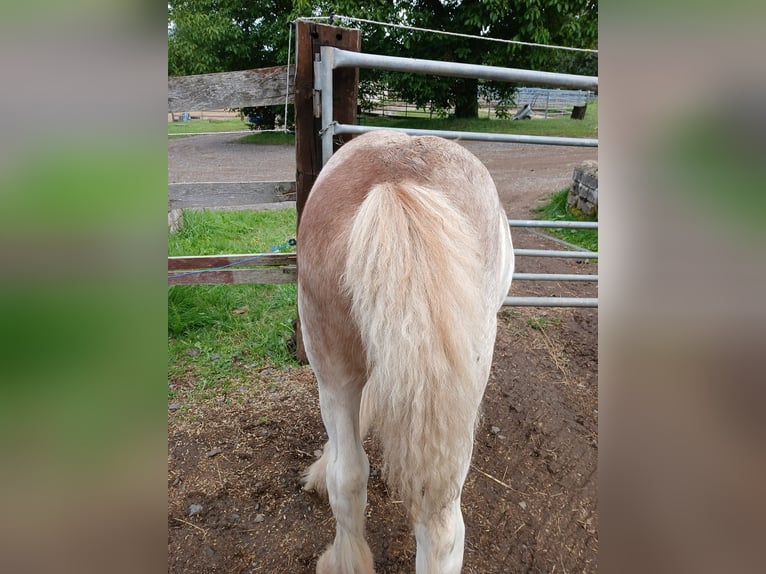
466,98
578,112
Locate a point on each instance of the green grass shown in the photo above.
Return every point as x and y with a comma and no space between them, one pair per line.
216,232
193,126
269,138
542,322
220,334
182,129
561,126
556,209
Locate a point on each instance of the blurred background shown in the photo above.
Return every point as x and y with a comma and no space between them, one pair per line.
682,319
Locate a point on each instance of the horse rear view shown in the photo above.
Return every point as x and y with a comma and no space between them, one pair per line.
404,258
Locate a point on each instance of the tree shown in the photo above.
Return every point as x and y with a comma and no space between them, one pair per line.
563,22
223,35
206,36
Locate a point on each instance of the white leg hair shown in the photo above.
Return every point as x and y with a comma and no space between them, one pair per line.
346,470
314,477
440,542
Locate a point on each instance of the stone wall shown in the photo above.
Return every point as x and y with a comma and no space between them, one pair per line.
583,195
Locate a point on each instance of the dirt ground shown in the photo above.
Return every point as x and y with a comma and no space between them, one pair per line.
530,500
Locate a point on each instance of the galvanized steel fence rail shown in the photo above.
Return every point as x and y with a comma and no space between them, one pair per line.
553,301
334,58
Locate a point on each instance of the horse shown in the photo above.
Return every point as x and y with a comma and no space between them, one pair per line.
404,259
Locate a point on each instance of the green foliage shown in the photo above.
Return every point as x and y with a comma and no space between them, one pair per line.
206,36
562,22
557,210
220,35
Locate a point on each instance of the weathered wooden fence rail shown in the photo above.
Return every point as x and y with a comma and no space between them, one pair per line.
245,88
229,194
219,269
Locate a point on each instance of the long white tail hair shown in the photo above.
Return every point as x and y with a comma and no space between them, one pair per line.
415,277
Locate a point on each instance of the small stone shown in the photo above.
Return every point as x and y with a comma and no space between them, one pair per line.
260,518
209,551
523,505
174,406
317,453
215,451
195,509
501,437
495,430
235,516
193,352
215,356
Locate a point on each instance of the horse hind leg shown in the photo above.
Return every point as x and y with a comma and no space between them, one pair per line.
440,541
314,478
346,470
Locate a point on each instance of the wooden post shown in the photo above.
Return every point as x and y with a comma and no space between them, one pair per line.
308,145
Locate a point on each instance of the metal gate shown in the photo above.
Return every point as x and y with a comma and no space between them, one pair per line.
333,58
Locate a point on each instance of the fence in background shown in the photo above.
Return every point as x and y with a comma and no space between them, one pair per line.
553,102
547,102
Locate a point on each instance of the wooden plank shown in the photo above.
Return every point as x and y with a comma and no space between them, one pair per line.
211,261
229,194
262,276
248,207
244,88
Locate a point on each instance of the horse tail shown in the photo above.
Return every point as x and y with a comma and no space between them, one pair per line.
414,273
